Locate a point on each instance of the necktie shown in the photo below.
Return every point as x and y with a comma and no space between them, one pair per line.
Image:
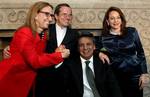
90,78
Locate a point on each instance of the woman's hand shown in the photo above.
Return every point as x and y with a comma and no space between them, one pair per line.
104,58
6,53
65,52
144,80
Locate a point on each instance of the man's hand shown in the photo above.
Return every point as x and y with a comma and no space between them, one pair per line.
6,53
64,52
144,80
104,58
60,48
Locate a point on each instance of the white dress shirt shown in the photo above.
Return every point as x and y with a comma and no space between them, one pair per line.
87,90
60,34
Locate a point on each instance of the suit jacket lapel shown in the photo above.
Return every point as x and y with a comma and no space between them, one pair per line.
66,38
97,69
78,74
52,35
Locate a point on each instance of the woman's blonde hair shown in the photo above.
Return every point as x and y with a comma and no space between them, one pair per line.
33,11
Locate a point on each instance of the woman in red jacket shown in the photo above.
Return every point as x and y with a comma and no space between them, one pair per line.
17,73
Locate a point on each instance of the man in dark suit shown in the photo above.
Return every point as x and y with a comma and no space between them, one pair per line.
77,84
50,80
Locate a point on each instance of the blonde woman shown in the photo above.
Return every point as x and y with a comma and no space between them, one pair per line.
18,72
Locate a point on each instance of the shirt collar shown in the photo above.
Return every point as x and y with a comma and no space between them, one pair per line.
60,28
83,60
114,33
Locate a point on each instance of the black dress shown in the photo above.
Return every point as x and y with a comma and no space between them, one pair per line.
127,60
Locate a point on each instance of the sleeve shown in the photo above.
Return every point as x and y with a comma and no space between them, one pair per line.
140,53
28,50
99,46
112,83
98,42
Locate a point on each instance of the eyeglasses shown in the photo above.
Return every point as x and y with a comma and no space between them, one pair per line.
47,14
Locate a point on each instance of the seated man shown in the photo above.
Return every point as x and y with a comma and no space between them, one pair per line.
92,79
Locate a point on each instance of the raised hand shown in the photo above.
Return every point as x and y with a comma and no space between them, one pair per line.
65,52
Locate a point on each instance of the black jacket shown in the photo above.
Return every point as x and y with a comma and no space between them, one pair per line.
50,81
104,79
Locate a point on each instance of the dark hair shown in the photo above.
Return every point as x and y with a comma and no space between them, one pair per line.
107,27
86,34
57,8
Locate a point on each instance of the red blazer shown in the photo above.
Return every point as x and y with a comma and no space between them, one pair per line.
27,53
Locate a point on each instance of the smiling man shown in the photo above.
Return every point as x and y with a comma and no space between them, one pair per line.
60,33
80,74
